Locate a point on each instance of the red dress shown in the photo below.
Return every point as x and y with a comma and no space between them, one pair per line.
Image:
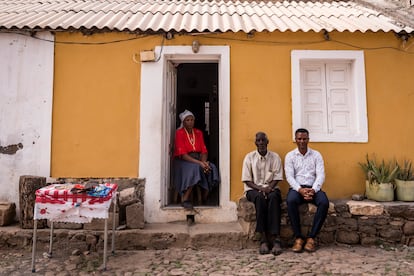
183,144
186,173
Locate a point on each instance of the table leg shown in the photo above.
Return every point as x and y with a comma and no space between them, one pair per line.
113,224
50,240
34,245
105,243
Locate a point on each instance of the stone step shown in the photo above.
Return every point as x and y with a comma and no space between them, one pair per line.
153,236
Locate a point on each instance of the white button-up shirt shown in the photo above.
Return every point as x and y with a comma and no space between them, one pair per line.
261,170
307,170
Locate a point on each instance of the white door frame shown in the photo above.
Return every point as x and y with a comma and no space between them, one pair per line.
153,134
169,126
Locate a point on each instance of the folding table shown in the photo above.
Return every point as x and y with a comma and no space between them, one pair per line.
59,203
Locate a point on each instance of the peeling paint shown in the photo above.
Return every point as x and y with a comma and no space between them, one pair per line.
11,149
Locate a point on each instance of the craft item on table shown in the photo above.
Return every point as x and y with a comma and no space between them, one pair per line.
99,191
81,189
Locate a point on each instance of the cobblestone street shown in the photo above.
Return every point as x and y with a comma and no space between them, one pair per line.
328,260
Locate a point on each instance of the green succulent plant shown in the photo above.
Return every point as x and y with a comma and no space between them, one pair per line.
405,172
379,172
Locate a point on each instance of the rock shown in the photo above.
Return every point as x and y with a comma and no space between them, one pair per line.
7,213
357,197
391,234
246,210
99,224
365,208
127,197
408,228
76,252
347,237
64,225
135,216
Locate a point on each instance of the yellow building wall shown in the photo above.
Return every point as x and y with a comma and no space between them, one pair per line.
96,102
95,131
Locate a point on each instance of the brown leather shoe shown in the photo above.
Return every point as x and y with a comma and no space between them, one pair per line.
298,245
310,245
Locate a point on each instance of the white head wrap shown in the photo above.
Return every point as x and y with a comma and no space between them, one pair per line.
184,115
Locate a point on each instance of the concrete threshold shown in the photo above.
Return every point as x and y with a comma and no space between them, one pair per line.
180,234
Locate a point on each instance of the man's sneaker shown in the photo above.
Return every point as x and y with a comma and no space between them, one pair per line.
310,245
298,245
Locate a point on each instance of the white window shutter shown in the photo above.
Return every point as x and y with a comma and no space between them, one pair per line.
329,95
313,94
339,98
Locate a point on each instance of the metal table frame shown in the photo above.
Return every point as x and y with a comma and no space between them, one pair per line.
114,200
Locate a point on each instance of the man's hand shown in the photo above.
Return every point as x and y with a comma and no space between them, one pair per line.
307,193
267,190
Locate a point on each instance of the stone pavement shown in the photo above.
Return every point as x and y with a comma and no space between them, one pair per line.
327,260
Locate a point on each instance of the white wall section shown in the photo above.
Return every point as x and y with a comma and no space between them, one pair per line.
26,93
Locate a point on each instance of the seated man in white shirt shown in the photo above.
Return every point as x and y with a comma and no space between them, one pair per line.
262,170
305,173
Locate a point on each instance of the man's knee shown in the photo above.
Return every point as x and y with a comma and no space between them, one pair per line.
322,200
275,195
293,197
260,197
324,204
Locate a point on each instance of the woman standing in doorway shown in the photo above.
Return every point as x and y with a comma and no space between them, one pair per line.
190,161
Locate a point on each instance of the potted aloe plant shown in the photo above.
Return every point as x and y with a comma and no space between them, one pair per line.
379,179
404,182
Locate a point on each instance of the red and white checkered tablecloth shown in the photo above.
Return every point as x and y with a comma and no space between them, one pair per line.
57,203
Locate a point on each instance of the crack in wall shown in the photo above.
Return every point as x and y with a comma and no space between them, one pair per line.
11,149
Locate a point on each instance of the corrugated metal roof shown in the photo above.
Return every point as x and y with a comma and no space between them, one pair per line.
400,10
195,16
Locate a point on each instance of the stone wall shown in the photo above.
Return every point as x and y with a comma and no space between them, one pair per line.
350,222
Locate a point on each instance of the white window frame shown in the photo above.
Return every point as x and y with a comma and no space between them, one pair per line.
360,125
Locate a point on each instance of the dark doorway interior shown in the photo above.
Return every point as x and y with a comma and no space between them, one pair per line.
197,91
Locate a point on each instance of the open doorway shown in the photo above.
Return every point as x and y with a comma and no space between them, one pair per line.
197,90
158,104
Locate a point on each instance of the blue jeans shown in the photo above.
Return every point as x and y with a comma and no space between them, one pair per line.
294,200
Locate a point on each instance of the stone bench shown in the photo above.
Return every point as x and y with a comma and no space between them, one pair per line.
350,222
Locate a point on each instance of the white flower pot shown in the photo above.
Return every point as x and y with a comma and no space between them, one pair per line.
404,190
379,191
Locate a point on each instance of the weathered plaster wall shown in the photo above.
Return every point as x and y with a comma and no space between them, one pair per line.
96,107
26,82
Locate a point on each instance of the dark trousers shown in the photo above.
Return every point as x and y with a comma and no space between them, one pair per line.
294,200
268,211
